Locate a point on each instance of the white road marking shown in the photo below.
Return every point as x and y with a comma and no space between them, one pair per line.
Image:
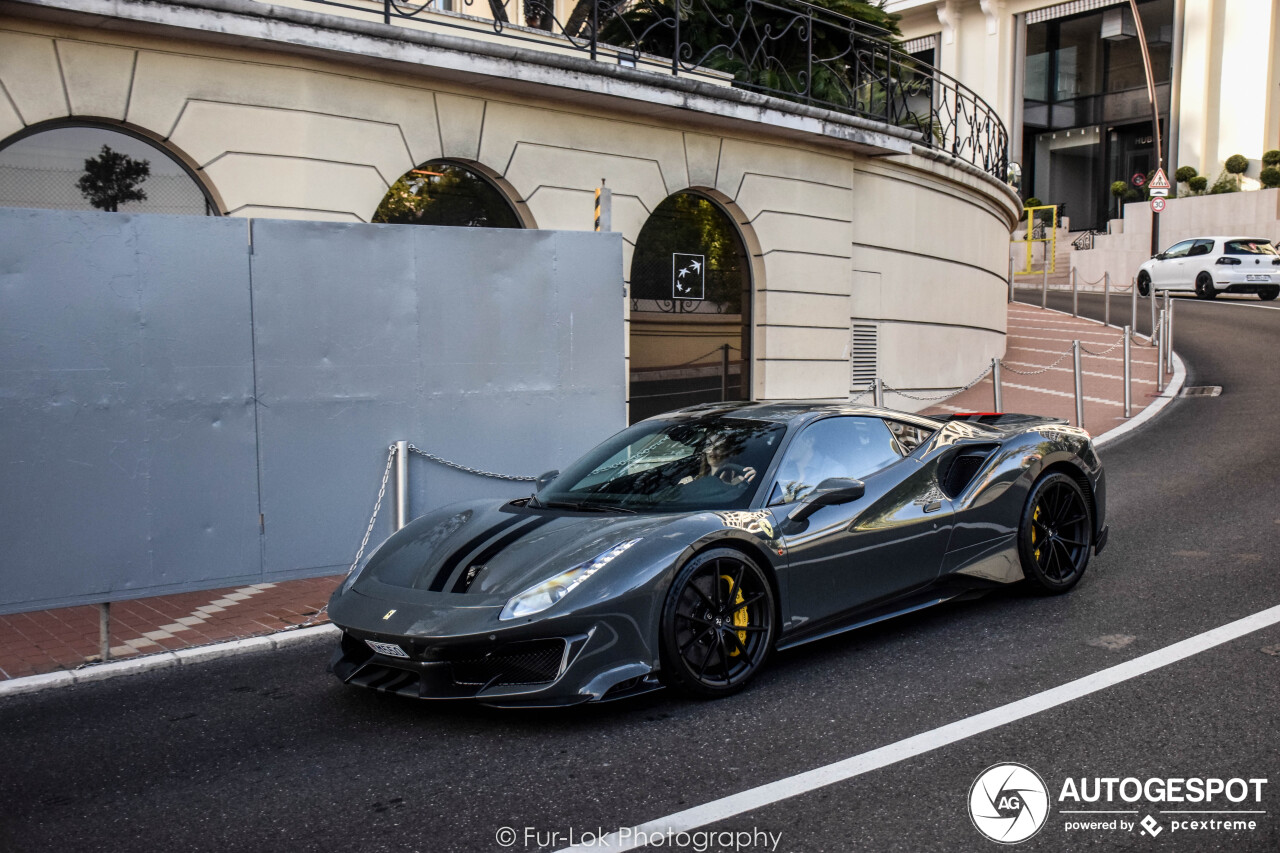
755,798
1070,394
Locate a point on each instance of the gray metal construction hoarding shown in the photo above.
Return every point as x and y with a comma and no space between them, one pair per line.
190,403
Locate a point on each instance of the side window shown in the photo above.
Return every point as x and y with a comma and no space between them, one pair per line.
909,436
1202,247
1179,250
833,447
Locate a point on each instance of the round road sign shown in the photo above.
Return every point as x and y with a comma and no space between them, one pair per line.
1157,204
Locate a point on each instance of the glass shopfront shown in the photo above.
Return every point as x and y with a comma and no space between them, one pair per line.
1086,115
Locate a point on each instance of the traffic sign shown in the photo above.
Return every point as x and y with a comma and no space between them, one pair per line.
1160,181
1156,191
1157,204
1138,179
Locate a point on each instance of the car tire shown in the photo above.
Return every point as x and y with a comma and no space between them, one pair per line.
1055,536
1144,284
719,623
1204,286
1269,294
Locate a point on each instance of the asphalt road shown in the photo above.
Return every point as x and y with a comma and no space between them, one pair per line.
267,752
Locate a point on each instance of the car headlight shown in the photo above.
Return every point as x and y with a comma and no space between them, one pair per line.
538,598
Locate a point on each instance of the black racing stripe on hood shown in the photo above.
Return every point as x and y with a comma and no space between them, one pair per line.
451,562
466,577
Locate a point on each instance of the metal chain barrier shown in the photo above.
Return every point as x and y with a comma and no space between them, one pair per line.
1092,283
1044,369
1088,351
931,398
470,470
368,531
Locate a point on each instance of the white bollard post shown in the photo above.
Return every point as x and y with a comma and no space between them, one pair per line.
995,383
1106,298
1128,374
1075,355
1075,293
400,497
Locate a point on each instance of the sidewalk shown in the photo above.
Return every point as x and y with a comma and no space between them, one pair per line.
1037,380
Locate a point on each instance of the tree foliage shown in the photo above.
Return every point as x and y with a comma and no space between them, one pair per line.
112,178
445,194
773,48
690,224
1184,174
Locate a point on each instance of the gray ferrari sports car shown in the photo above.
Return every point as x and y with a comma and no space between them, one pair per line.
688,547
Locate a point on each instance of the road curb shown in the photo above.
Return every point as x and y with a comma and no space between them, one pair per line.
1151,411
162,660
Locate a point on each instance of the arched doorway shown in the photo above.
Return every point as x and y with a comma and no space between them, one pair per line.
690,308
83,165
442,192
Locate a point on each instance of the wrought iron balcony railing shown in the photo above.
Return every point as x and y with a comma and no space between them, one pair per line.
787,49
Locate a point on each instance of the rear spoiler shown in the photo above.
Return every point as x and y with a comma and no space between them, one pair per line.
1005,419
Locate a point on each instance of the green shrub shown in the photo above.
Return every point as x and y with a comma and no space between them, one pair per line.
1226,183
1119,188
1270,177
1271,158
1198,184
1185,173
1032,202
1236,164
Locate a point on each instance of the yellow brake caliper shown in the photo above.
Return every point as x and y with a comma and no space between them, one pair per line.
1035,517
740,618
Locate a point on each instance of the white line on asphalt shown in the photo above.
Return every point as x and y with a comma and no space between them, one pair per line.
840,771
1071,394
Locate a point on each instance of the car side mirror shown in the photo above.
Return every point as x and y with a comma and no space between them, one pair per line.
1159,256
831,491
545,479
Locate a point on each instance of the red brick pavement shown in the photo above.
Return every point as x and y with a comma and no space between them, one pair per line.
66,638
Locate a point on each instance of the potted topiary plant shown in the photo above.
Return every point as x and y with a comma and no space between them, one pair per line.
1235,167
1270,177
1198,184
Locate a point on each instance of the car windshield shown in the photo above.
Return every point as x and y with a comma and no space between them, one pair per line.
1249,247
668,465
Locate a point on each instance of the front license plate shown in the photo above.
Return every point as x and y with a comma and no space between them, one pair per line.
389,649
1257,278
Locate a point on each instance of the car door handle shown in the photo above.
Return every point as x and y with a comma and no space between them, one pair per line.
933,507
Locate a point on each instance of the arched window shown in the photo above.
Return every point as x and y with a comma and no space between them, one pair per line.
690,308
444,193
84,166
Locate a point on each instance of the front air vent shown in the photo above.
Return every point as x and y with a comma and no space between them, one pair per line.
536,662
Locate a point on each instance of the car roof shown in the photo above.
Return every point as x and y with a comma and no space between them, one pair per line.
1222,237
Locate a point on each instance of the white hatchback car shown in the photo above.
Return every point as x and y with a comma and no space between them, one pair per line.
1213,265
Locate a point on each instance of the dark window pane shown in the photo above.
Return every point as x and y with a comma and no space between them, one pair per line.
87,167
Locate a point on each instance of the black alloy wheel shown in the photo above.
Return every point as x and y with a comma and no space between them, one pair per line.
1144,284
1204,286
1269,294
1056,535
718,624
